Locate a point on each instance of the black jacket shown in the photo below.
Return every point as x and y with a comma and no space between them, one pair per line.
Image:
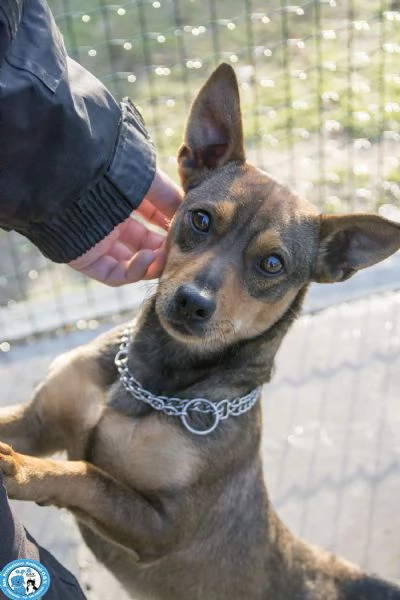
73,162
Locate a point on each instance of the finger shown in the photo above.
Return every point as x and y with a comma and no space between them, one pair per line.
107,260
137,237
120,252
112,272
147,210
164,194
157,266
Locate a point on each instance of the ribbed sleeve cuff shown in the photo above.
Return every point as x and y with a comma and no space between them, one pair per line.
108,201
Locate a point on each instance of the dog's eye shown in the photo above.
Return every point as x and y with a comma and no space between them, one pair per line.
200,220
272,264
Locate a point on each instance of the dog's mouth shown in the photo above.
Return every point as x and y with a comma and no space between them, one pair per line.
184,329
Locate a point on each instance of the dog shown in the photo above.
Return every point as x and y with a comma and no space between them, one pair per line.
161,420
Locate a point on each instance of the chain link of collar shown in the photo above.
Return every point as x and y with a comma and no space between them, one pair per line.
180,407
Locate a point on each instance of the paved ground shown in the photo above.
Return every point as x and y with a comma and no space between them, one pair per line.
331,437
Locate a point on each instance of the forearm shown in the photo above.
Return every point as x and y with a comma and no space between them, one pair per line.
71,224
76,163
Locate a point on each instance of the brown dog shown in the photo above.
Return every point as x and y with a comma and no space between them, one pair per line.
175,512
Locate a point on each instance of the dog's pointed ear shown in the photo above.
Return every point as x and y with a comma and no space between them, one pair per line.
213,135
349,243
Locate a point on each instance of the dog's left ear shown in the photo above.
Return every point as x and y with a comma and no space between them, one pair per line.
352,242
213,135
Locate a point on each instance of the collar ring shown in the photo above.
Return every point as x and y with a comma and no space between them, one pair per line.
191,407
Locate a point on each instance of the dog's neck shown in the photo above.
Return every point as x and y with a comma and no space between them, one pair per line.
167,366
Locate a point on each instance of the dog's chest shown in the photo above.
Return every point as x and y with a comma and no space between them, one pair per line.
146,453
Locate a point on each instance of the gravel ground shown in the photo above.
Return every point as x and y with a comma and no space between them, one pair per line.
331,438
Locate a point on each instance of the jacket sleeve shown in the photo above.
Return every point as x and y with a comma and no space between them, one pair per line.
74,162
10,17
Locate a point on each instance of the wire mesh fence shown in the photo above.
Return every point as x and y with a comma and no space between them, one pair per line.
320,96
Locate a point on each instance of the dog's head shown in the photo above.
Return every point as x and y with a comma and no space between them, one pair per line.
242,245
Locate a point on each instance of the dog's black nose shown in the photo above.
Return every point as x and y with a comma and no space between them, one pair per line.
194,304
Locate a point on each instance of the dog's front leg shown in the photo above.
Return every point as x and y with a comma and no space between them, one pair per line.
114,510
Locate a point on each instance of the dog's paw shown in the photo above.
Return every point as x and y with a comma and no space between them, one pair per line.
25,476
8,460
15,468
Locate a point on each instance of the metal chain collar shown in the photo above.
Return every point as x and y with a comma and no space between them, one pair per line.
179,407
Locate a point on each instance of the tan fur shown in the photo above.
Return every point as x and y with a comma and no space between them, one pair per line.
248,317
225,213
152,455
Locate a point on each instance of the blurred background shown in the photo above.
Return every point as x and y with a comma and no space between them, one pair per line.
320,89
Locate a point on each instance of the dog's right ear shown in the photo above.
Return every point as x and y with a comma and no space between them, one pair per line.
213,135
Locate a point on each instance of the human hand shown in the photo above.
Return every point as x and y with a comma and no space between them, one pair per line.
131,251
